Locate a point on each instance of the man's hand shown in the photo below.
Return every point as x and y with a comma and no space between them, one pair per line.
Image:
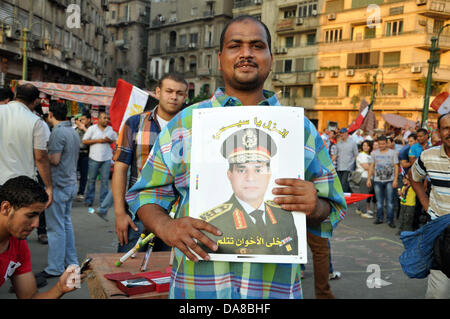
183,232
369,183
299,195
122,222
70,280
394,184
49,191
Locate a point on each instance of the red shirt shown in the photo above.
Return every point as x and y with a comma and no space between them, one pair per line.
16,260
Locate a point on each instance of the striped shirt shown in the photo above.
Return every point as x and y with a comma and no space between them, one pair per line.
435,164
136,140
166,176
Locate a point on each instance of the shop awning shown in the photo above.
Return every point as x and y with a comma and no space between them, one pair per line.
398,120
96,95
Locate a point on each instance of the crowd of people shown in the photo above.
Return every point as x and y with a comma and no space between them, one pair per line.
150,180
377,162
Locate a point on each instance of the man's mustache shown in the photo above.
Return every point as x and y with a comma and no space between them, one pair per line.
248,62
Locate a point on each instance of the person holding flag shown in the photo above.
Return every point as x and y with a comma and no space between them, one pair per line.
136,139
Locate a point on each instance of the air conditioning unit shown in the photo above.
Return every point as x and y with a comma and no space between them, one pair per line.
314,13
331,16
320,74
299,21
350,72
275,77
416,69
334,74
13,32
172,20
283,50
68,55
421,2
257,1
192,45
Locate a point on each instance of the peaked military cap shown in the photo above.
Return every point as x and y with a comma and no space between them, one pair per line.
248,145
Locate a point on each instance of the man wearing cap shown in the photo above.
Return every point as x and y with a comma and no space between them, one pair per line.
246,217
347,151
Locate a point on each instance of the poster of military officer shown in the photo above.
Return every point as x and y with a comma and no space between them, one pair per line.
250,153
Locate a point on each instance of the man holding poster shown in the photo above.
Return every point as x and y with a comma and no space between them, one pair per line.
245,61
249,224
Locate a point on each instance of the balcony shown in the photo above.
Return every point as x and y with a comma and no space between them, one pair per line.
204,71
297,24
246,3
437,9
293,78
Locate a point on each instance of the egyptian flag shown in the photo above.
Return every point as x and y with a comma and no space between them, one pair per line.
359,120
441,103
128,100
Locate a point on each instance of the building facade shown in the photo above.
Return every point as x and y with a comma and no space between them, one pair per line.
184,37
326,53
53,41
127,23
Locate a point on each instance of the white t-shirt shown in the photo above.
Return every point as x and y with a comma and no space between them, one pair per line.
162,122
363,158
41,134
100,152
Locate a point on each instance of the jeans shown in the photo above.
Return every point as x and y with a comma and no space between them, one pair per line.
61,240
133,237
106,204
83,167
343,177
384,191
94,168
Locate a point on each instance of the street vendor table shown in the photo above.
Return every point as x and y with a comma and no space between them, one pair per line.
101,264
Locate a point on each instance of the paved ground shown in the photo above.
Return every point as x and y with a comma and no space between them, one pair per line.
356,244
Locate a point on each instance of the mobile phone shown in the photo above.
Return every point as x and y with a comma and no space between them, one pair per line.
85,265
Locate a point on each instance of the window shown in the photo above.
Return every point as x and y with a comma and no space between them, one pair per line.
287,66
363,60
113,14
311,39
304,64
194,11
193,38
289,13
307,8
394,28
307,91
390,89
437,25
329,91
286,92
369,33
289,42
183,40
391,58
333,35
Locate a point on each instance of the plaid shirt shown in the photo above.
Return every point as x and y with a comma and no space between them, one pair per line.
166,176
136,140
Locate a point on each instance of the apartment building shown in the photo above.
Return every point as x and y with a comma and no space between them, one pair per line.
61,43
127,22
389,38
184,37
326,53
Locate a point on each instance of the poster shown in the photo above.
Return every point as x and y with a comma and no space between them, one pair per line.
237,153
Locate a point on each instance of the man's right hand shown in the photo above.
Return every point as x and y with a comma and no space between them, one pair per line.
183,233
122,222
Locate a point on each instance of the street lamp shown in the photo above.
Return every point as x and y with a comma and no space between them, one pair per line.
433,62
374,87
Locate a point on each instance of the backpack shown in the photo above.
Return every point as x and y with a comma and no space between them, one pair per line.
441,256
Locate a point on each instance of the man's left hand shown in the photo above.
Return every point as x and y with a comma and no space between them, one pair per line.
298,195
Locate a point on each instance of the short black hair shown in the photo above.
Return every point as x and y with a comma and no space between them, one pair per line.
6,93
174,77
27,93
87,114
423,130
243,18
59,110
439,120
22,191
413,135
382,138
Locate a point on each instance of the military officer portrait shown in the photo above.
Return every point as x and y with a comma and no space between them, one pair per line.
249,224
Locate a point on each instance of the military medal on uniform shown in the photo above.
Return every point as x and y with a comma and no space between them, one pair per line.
236,154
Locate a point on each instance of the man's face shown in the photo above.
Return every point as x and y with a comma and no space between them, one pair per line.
422,138
23,221
444,131
382,145
171,95
85,120
249,182
411,141
103,119
245,60
390,144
